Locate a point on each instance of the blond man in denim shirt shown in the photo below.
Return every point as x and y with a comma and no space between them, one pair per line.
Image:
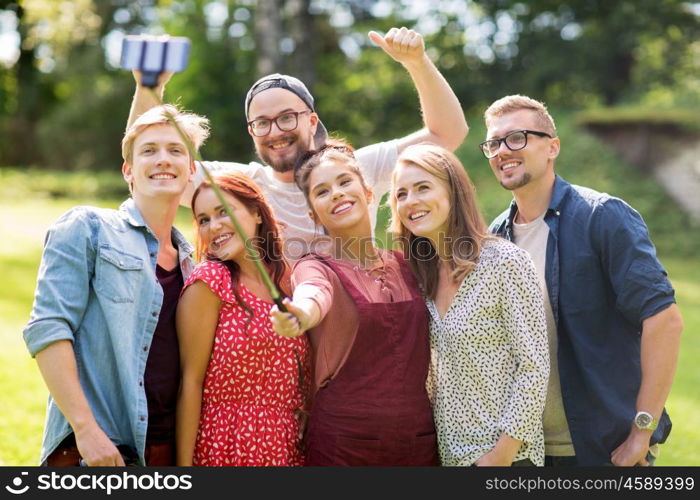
98,300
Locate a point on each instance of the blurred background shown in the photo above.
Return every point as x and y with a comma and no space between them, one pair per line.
622,80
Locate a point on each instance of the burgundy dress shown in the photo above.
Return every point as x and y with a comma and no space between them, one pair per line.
375,410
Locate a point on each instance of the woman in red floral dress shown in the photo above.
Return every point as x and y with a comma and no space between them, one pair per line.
241,386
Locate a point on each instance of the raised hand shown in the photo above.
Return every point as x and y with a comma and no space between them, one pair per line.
403,45
163,78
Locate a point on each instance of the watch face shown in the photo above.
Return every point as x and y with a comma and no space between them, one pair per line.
644,420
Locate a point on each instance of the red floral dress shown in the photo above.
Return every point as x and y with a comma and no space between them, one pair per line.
251,387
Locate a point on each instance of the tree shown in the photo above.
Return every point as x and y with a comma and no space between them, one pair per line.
590,47
268,33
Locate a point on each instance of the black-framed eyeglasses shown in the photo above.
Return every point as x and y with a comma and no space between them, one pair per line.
286,122
514,141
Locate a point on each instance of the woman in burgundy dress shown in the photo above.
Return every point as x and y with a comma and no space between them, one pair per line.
368,328
240,392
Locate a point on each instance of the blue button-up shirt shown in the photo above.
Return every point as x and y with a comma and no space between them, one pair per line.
603,280
97,287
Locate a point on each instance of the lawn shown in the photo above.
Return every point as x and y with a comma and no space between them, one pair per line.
22,228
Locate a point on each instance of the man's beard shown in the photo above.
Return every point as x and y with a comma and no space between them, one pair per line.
282,164
525,179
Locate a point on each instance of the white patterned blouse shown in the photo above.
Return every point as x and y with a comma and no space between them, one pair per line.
489,359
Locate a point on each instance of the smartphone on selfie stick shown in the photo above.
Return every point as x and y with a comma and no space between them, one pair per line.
153,55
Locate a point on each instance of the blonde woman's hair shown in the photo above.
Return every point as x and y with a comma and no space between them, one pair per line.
195,127
512,103
466,229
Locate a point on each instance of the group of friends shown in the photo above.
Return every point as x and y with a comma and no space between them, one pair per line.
550,338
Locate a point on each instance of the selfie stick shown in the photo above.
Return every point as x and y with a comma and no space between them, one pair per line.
250,249
150,80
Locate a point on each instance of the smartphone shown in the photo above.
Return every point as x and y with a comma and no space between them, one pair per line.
154,55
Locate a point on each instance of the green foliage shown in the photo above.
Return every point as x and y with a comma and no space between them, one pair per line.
598,50
684,119
579,54
31,183
220,71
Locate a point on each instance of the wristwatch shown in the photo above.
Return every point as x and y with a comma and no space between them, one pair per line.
645,421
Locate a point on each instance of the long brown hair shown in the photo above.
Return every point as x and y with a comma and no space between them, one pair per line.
334,149
266,240
466,229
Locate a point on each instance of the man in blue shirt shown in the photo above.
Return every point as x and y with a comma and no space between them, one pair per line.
102,325
613,324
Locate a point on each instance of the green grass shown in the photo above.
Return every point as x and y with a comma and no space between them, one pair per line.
22,228
32,200
683,445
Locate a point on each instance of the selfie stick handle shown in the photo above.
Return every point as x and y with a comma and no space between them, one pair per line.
250,249
149,79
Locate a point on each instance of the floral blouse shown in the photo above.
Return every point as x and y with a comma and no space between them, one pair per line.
489,359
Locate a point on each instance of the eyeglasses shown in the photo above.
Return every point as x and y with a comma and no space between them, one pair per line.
285,122
514,141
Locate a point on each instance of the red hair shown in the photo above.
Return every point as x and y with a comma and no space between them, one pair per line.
267,240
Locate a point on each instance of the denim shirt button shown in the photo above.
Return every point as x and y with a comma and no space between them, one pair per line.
154,314
145,348
142,418
152,254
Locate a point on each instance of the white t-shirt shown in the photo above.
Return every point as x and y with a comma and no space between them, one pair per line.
532,237
288,203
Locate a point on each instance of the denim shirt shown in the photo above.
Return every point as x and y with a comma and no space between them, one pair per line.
603,280
97,288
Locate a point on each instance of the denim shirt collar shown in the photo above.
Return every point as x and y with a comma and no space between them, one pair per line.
559,192
131,213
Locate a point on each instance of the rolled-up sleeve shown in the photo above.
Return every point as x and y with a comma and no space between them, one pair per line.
629,259
63,282
524,318
311,280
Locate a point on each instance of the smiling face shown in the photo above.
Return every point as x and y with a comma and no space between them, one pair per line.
160,166
530,166
216,230
281,149
422,201
338,199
